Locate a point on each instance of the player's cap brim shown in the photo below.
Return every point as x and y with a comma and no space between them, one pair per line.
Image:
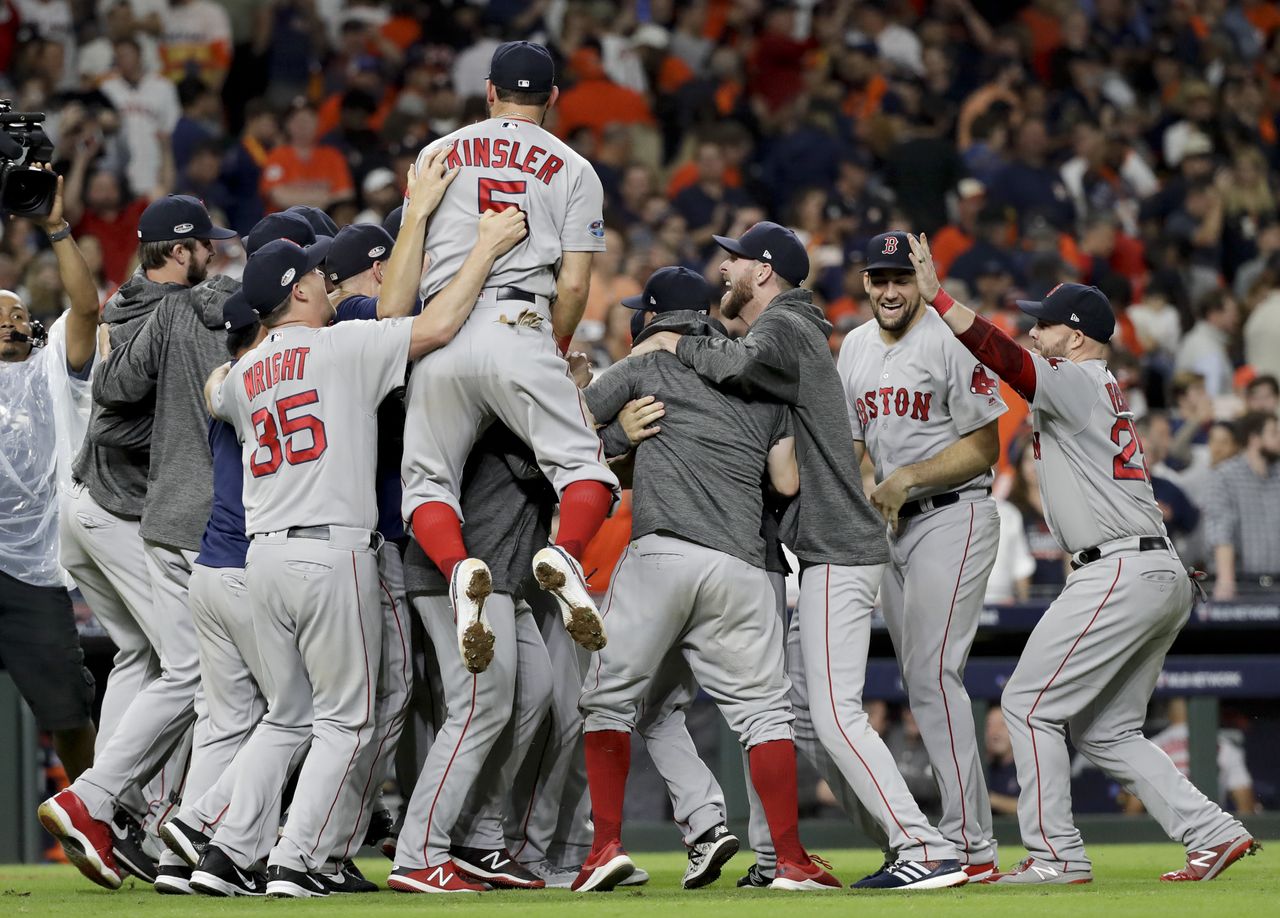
732,246
889,266
237,313
220,232
318,251
1035,309
634,302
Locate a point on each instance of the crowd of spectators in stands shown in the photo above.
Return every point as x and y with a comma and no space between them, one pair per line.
1130,144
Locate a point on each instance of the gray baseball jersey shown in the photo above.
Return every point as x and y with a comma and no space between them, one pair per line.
911,399
512,162
908,401
1093,476
303,405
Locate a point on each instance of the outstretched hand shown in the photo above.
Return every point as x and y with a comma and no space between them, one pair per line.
636,416
54,221
926,271
426,186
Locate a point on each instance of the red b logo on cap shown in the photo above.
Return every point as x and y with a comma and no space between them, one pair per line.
890,245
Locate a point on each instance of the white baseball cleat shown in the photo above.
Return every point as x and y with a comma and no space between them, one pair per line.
469,587
560,574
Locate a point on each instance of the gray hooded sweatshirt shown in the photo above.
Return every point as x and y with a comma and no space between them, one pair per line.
115,468
785,357
167,363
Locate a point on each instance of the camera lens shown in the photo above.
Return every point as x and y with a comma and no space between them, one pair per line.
27,192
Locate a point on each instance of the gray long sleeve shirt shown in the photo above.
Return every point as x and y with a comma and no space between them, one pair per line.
115,470
169,360
700,479
785,357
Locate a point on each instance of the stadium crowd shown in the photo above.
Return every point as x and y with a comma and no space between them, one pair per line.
1127,144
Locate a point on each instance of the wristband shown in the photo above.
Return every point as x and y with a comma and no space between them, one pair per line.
942,302
63,233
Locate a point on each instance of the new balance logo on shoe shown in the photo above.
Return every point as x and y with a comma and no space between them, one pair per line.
1043,872
1201,859
440,876
495,860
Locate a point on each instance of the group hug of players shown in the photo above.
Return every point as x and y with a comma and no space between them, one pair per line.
273,671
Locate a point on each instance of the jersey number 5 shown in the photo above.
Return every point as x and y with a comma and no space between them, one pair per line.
269,433
1121,470
488,187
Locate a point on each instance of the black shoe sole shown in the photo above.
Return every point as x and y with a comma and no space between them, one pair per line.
718,858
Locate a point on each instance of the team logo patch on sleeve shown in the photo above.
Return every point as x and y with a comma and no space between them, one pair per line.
982,383
596,229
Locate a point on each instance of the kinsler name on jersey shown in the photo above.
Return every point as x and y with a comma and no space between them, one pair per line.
291,363
504,153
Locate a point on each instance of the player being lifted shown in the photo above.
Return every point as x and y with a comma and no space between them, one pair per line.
1091,663
505,362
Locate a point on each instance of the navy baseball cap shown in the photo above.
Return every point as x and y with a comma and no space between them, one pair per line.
669,289
522,66
271,272
282,225
237,313
1076,306
179,216
889,250
391,222
355,249
321,222
775,245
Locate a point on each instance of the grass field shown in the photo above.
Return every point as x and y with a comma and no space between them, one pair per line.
1125,883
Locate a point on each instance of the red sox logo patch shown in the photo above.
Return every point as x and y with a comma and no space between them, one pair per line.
890,245
982,383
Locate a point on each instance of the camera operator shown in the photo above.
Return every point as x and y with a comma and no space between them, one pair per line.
44,403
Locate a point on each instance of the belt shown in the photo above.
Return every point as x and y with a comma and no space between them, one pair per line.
925,504
1142,543
322,533
514,293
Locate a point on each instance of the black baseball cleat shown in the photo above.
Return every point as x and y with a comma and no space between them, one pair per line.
183,840
709,852
348,879
496,867
286,883
755,878
126,844
382,833
173,880
217,875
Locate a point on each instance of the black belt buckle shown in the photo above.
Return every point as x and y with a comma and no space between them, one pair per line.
515,293
1145,543
916,507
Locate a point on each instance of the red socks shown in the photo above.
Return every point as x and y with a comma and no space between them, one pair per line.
439,532
608,761
583,508
773,772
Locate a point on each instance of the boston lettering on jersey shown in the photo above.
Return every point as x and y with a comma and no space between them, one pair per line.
503,153
291,363
889,400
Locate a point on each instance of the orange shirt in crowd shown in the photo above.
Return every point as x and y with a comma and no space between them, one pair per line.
597,104
603,294
949,244
324,165
686,175
865,102
330,111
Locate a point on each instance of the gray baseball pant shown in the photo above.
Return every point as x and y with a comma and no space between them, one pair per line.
1091,665
932,598
318,624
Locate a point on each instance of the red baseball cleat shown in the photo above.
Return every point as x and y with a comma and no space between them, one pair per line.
979,872
87,841
445,877
795,877
1207,863
603,871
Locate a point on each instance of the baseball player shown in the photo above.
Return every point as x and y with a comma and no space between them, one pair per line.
830,526
303,403
693,578
926,412
505,363
1092,661
140,582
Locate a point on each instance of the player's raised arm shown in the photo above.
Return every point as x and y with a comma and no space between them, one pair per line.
425,188
82,318
573,283
989,344
497,234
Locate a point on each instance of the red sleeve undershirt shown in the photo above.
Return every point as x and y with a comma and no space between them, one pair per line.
1010,360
